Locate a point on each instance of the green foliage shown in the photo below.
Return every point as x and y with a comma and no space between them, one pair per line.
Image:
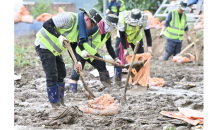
40,7
151,5
21,55
169,128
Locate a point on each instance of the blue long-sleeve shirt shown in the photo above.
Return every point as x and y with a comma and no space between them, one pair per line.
167,23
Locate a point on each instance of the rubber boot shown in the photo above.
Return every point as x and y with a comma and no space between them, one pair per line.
61,86
105,79
166,56
73,87
117,74
54,96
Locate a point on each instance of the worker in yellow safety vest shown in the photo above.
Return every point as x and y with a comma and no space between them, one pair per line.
130,31
174,28
67,26
115,7
98,36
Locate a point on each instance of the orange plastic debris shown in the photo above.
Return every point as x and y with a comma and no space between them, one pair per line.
27,18
200,25
154,22
191,113
44,17
23,11
101,102
103,105
143,76
191,56
17,18
190,116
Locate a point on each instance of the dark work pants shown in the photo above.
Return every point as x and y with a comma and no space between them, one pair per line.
172,48
99,65
117,49
53,66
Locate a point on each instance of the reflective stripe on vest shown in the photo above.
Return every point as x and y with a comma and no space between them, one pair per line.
93,38
174,20
177,26
74,22
50,41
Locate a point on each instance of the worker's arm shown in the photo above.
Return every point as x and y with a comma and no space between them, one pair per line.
50,27
148,36
122,39
188,35
56,22
166,24
110,49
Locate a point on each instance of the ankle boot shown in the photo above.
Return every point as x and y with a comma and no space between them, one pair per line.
61,86
73,87
105,79
54,96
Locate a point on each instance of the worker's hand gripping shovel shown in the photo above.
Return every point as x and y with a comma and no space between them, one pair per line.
88,94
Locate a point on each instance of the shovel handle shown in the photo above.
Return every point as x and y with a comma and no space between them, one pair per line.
130,68
98,58
67,45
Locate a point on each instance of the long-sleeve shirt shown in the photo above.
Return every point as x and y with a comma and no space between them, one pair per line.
167,23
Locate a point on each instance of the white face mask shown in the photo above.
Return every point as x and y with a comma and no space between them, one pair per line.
108,28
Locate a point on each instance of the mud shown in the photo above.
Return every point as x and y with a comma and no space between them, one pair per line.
142,111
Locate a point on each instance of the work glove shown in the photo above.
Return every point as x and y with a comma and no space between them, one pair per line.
85,54
107,11
150,50
78,68
62,39
161,34
189,39
126,53
117,60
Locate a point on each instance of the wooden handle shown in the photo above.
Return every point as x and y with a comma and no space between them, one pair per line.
90,96
98,58
196,53
130,68
188,46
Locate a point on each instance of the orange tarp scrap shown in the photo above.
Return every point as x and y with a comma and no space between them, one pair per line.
23,11
200,25
181,59
154,22
188,115
103,105
44,17
143,76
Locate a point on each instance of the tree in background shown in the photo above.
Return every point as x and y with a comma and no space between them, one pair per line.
151,5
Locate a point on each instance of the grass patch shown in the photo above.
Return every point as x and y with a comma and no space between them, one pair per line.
22,55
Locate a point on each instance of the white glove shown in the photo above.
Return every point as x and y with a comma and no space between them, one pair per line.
62,39
161,34
117,60
78,68
126,53
85,54
107,11
189,39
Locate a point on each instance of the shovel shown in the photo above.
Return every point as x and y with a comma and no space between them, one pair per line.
137,64
90,96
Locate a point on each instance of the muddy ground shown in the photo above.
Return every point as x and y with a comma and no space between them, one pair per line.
142,111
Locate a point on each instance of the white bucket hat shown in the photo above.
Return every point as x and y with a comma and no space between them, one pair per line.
93,14
135,17
183,5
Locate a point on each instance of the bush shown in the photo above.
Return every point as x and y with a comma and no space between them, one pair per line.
40,7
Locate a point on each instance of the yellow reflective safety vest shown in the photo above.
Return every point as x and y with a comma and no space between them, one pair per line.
176,27
133,34
114,8
94,44
70,31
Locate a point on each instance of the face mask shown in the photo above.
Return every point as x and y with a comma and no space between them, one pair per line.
108,28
